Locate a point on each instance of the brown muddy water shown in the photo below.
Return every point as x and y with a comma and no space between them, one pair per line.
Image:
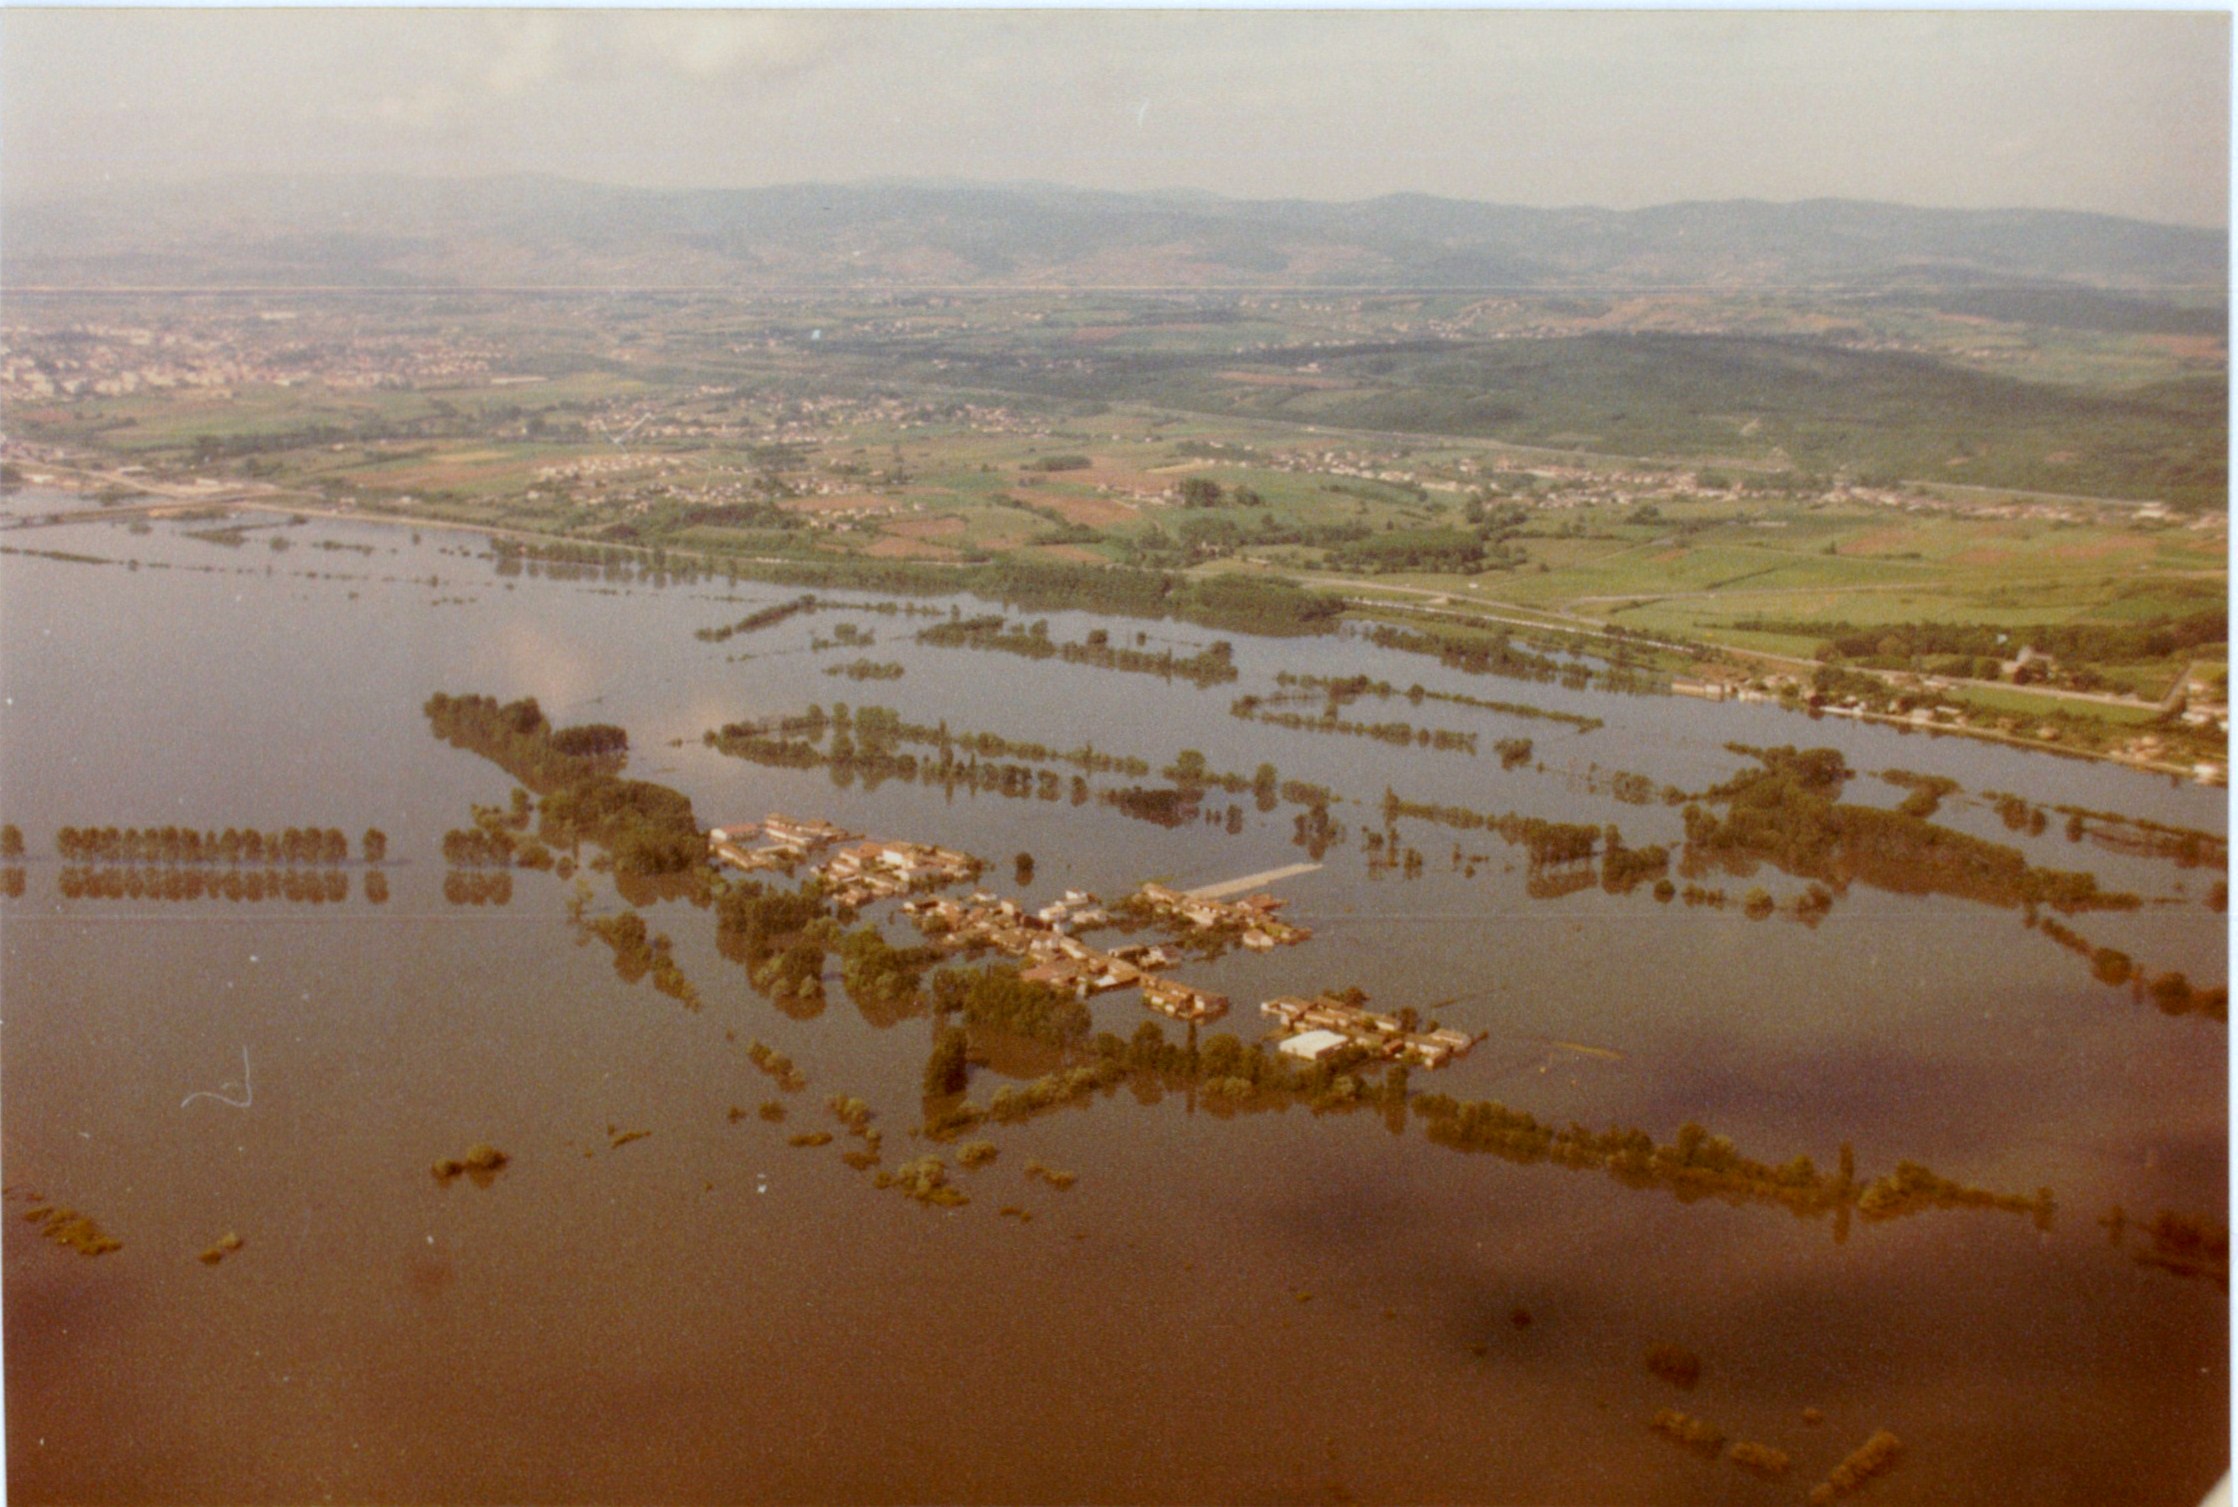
1224,1308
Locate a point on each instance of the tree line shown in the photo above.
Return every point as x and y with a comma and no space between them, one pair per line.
1546,842
867,669
1345,689
1696,1163
867,744
639,951
234,845
2171,993
1897,645
1234,602
1475,652
767,617
1400,734
1231,1076
2186,847
1208,667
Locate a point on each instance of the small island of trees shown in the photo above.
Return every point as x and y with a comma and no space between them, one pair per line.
646,829
1786,811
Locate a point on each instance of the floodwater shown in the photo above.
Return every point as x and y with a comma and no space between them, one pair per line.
1256,1308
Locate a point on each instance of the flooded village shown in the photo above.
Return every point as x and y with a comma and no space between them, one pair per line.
1289,970
954,757
1046,942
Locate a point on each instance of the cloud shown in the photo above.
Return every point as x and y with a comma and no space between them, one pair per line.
765,44
424,107
527,56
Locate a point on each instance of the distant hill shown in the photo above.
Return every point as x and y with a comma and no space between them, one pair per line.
380,231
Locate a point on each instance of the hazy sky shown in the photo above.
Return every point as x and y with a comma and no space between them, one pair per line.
2119,112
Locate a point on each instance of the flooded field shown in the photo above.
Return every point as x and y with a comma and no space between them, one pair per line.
659,1295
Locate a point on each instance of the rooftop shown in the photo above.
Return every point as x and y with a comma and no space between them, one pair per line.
1312,1045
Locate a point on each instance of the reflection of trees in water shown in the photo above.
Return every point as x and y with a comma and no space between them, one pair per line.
1546,842
655,889
1313,831
248,886
2183,1245
2186,847
472,887
1554,884
767,617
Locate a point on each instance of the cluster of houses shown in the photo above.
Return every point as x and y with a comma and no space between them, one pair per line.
867,871
2149,748
1771,688
854,872
783,841
1322,1025
108,361
1252,918
1045,941
986,920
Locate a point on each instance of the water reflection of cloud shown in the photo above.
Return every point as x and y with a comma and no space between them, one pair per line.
562,674
1345,1207
1971,1107
1923,1326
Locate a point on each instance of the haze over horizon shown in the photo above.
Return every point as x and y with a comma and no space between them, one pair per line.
2117,114
1025,187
